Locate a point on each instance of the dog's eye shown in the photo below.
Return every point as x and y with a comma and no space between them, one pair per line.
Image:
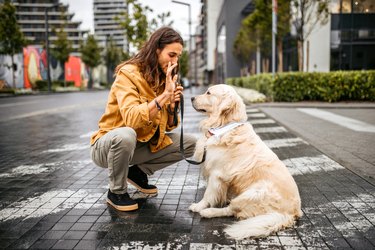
208,93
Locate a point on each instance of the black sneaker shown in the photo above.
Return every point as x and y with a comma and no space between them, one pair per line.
121,202
138,179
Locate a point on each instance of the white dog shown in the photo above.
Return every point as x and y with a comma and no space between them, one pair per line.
244,177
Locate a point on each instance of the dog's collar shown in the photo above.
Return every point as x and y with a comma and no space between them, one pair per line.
219,131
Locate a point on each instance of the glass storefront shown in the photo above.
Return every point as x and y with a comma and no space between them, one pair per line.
352,34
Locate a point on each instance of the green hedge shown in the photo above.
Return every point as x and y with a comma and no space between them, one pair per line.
43,84
331,87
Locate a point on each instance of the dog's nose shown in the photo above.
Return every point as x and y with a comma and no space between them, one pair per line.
192,99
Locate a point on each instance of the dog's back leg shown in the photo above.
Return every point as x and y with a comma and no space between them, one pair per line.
217,212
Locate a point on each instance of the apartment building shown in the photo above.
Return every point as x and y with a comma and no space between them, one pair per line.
105,24
31,18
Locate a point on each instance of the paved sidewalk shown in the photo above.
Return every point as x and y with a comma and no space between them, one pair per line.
53,197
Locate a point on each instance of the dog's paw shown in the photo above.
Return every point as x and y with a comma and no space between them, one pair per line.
197,207
193,207
207,213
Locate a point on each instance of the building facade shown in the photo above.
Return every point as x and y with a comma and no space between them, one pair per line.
31,18
345,42
106,24
209,15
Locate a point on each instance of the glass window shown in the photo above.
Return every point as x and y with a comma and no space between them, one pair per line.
363,6
346,6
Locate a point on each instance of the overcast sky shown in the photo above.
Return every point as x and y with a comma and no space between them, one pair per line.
83,10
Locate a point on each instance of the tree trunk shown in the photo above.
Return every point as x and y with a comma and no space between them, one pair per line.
89,85
63,73
266,64
307,55
280,55
300,55
13,73
253,67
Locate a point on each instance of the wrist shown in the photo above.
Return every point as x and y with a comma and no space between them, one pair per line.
168,94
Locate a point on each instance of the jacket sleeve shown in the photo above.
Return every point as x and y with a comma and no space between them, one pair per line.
133,108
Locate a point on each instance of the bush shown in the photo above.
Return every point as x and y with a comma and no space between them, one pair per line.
299,86
41,85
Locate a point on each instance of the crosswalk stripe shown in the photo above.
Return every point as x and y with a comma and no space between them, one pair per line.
270,130
262,121
289,142
339,120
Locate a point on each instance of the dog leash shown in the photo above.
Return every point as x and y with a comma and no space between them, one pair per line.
182,150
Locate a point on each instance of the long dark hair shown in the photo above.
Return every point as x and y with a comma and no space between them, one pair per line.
147,58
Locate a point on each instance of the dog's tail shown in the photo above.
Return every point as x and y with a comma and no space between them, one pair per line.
259,226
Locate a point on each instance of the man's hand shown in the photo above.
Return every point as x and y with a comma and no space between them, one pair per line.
177,95
170,84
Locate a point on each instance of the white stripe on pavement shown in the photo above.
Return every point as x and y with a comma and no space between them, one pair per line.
256,115
47,203
289,142
16,104
339,120
262,121
42,168
250,110
55,110
69,147
87,135
307,165
270,130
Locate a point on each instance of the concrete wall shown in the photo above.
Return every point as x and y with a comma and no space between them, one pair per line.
318,52
213,11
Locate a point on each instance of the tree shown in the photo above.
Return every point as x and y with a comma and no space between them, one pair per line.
161,21
184,63
306,14
255,33
134,22
11,38
283,28
62,49
245,44
138,28
90,55
113,55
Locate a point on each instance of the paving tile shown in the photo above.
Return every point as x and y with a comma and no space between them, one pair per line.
65,244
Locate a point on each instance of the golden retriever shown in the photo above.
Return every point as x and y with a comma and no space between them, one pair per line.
244,177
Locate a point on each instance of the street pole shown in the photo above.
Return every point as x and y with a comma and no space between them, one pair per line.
47,49
274,32
47,44
190,47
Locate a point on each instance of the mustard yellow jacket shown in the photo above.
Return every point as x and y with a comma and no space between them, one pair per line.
127,107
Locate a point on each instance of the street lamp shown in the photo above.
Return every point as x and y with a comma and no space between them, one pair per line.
187,4
47,43
274,33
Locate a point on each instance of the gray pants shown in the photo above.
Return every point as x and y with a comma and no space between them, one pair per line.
119,148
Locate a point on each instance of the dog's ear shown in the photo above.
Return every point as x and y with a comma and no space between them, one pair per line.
233,108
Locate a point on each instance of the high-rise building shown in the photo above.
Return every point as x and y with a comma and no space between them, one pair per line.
31,18
106,24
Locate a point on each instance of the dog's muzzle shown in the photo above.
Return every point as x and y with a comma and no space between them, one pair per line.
194,106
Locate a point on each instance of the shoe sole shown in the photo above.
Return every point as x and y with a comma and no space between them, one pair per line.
123,208
145,191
